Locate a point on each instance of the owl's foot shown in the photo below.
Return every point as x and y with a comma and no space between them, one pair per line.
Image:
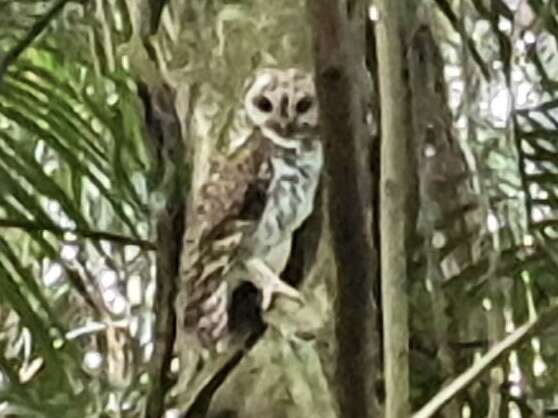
270,283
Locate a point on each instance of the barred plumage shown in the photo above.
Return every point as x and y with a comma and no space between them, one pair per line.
253,202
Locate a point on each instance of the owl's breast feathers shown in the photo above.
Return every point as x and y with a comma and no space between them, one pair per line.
228,209
251,203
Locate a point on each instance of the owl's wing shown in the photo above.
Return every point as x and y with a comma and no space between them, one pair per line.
229,207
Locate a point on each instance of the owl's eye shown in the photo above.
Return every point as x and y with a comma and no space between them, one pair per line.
263,103
304,105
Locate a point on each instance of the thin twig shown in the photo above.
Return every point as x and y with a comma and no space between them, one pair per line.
493,356
13,54
86,233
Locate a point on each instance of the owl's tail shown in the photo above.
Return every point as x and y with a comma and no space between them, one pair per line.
206,272
206,312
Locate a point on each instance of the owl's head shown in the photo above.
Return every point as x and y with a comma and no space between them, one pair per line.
283,104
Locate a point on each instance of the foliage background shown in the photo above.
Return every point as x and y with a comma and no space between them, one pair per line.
83,185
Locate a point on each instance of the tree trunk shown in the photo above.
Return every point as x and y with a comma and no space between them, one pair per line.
395,192
344,87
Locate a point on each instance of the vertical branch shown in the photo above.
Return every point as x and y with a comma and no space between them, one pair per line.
164,131
341,81
108,42
395,190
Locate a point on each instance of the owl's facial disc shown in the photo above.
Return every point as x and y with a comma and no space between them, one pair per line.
283,103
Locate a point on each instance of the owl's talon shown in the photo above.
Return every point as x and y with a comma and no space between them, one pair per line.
269,283
267,296
279,289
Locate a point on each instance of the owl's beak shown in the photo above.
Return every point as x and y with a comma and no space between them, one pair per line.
286,129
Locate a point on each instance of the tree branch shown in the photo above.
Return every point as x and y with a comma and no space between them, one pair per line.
30,226
493,356
163,127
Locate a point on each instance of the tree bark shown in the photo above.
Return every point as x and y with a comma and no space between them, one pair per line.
164,131
395,191
343,87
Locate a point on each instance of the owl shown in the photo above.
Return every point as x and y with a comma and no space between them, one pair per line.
252,202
